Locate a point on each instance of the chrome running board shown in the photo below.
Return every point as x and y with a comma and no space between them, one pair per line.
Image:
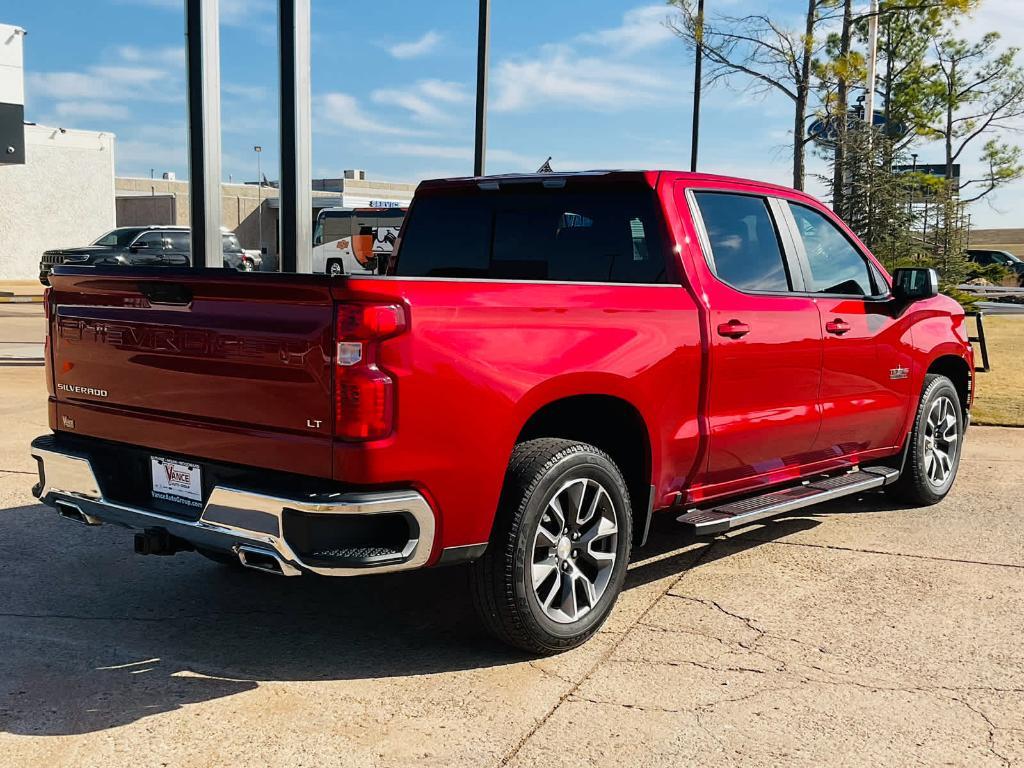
728,516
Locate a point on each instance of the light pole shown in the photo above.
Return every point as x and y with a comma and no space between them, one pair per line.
869,90
259,193
697,66
482,42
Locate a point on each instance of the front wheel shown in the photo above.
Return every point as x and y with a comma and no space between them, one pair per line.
933,455
334,268
558,554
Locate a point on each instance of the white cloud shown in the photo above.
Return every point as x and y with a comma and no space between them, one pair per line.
90,110
341,110
235,13
444,90
412,49
101,83
641,28
106,92
173,56
562,77
421,99
1002,16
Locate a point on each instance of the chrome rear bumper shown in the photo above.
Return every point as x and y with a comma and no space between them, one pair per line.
236,520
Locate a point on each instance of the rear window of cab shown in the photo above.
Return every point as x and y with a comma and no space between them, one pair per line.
536,234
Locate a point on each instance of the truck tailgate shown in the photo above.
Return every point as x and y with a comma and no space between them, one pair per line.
234,368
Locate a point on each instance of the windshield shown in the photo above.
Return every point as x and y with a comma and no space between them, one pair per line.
122,237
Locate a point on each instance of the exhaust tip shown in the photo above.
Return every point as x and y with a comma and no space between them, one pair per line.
265,560
73,512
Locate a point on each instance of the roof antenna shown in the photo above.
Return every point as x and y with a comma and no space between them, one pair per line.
546,168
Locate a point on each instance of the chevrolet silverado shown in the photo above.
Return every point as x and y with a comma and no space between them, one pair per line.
550,360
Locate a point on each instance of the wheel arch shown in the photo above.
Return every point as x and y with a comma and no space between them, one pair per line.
956,369
608,422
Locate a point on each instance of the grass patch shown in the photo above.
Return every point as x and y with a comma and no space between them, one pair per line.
1000,392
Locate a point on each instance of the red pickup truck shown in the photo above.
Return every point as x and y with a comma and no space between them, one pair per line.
550,360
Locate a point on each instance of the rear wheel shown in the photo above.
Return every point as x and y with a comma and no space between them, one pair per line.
933,455
558,555
334,268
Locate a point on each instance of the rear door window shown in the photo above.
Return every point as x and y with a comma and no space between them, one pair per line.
535,234
155,241
180,241
744,243
835,265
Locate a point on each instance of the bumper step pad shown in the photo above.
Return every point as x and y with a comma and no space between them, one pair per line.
728,516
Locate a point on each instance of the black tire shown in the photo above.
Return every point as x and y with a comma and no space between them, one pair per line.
918,485
502,580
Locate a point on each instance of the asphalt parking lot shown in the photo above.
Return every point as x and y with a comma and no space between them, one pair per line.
858,634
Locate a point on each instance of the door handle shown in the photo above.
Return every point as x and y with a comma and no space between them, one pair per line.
734,329
837,326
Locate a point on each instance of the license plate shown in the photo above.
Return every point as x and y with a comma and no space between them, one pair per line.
177,481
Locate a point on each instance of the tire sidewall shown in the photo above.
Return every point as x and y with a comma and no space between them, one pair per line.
941,387
580,465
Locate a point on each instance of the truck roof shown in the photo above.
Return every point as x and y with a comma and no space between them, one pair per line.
608,175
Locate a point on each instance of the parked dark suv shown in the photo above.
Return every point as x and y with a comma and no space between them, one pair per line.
155,246
985,257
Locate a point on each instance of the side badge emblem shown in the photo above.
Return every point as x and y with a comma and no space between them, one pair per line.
899,373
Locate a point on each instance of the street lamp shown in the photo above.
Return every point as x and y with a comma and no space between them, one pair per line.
259,193
697,77
482,44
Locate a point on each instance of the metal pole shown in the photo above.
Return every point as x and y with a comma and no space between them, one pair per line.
482,44
296,189
259,193
697,77
202,33
869,100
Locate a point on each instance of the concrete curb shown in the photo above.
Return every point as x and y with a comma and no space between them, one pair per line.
21,299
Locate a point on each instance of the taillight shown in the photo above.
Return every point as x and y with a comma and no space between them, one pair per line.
364,395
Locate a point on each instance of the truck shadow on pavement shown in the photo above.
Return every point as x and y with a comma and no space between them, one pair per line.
92,636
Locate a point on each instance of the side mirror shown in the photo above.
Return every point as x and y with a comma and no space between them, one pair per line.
915,283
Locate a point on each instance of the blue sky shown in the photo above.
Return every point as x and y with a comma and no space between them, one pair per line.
593,83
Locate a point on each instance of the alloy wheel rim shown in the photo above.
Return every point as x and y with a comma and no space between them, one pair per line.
335,269
941,441
574,550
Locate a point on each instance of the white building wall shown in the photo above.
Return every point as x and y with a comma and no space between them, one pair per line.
62,197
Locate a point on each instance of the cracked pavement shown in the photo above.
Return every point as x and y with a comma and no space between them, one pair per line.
854,634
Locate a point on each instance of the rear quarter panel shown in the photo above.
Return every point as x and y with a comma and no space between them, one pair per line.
482,356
